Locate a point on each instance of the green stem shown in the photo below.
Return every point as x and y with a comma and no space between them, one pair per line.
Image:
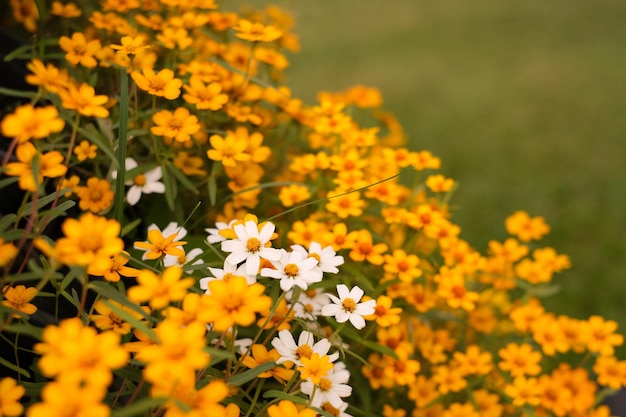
256,397
121,149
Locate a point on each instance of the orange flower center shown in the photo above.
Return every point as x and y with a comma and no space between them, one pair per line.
291,270
325,384
140,180
348,305
253,244
304,351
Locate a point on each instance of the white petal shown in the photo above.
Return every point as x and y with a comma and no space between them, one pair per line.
252,264
252,229
266,232
343,291
356,294
357,321
133,196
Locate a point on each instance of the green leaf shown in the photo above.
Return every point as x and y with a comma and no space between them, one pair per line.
103,144
24,329
250,374
182,178
284,396
170,189
212,185
14,367
218,355
10,180
16,93
59,211
139,408
129,227
6,220
41,202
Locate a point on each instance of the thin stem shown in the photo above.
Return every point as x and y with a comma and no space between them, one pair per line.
121,149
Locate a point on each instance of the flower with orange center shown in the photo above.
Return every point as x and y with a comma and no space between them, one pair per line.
158,245
347,306
256,32
229,150
363,248
10,394
519,360
29,122
234,302
67,11
79,50
47,76
204,96
526,228
107,318
26,12
49,164
524,391
439,184
402,265
160,290
315,368
288,409
161,84
259,355
18,298
131,45
84,100
602,337
8,251
473,361
96,195
384,314
85,150
179,125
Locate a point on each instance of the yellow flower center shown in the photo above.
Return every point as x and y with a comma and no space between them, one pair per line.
314,255
348,305
330,409
253,244
304,351
325,384
140,180
291,270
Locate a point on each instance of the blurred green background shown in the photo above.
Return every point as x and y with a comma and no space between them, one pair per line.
525,103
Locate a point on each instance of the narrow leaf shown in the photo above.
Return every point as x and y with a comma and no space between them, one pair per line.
250,374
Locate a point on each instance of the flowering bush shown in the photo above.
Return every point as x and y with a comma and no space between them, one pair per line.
190,239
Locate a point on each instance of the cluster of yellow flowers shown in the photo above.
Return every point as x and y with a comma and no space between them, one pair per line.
321,272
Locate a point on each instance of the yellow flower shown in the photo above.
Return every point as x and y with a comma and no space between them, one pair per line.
363,248
59,397
8,251
75,352
288,409
526,228
108,319
524,391
96,195
315,368
10,394
162,84
186,400
131,45
259,355
85,150
179,125
519,360
178,352
84,100
89,241
256,32
189,164
67,11
158,245
235,302
159,291
18,298
79,50
384,314
116,267
204,96
229,150
48,165
172,38
291,195
345,205
439,184
47,76
26,12
28,122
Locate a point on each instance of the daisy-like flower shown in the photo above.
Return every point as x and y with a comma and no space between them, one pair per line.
289,351
294,269
327,259
330,389
251,245
347,306
189,259
225,274
161,84
160,244
214,233
309,303
18,298
146,183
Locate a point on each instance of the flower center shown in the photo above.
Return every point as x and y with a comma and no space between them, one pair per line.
140,180
316,256
349,305
325,384
291,270
304,351
330,409
253,244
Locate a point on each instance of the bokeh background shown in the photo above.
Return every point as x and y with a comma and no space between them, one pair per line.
524,101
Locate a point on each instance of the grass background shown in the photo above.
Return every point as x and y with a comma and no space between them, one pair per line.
525,103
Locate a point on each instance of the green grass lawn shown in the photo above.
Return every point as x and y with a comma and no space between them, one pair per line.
525,102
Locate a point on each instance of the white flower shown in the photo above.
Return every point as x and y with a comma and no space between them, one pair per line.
286,346
327,259
294,269
330,389
228,271
347,306
145,183
309,304
249,247
191,258
214,233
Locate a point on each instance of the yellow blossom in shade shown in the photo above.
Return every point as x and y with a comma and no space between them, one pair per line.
315,368
402,370
18,298
68,10
526,228
10,394
107,319
89,241
84,100
524,315
76,352
602,337
8,252
363,248
178,125
47,76
160,290
158,245
510,251
474,361
551,260
204,96
28,122
256,32
439,184
25,12
189,164
79,50
288,409
62,396
115,268
384,314
49,164
422,390
96,195
234,302
258,355
488,404
423,160
461,410
85,150
174,38
293,194
229,150
548,333
345,205
524,391
452,288
611,372
131,45
178,353
161,84
185,400
519,360
448,379
389,411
